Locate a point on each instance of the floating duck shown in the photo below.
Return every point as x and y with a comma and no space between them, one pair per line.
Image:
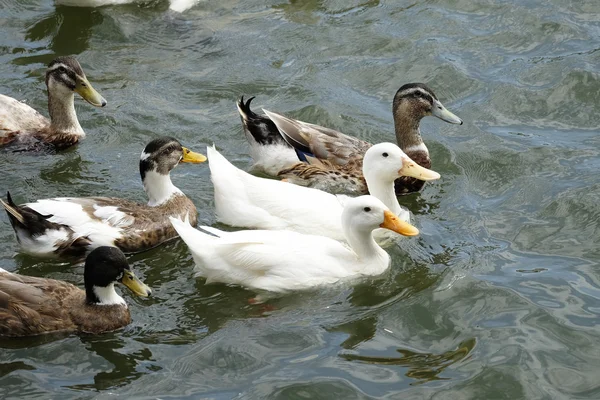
33,306
75,225
280,260
310,155
20,122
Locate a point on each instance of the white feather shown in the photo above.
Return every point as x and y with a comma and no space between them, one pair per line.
42,245
416,148
159,188
245,200
108,296
271,159
69,211
113,216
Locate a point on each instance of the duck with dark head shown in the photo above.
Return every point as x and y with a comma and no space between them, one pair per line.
32,306
75,225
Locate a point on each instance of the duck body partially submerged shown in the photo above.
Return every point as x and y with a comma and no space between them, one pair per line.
32,306
281,260
22,126
74,226
330,160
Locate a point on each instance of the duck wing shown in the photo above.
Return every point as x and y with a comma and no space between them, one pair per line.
31,305
320,142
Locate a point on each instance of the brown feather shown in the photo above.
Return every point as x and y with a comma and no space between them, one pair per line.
33,306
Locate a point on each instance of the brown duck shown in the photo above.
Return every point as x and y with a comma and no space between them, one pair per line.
75,225
33,306
21,123
315,156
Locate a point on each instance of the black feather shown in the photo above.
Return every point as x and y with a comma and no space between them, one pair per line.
260,127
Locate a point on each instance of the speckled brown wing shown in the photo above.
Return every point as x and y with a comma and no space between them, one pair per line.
327,176
323,143
148,226
31,306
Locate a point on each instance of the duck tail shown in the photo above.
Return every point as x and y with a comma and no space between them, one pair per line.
12,210
26,218
259,129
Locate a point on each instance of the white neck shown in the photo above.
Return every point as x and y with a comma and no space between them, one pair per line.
61,106
383,190
366,249
108,296
159,188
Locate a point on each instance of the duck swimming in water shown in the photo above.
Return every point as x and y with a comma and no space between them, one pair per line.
33,306
21,123
75,225
311,155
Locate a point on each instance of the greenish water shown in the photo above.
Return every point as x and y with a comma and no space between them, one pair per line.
497,299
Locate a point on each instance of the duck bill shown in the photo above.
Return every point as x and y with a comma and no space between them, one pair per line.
89,94
414,170
393,223
191,157
442,113
135,285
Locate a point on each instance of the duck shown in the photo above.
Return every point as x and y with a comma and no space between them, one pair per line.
72,226
21,123
308,155
31,306
245,200
174,5
282,260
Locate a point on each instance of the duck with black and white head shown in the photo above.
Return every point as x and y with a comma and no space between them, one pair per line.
75,225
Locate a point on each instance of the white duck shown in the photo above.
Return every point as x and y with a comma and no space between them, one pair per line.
245,200
282,260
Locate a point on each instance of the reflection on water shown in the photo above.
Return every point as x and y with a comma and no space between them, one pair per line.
422,366
68,28
126,365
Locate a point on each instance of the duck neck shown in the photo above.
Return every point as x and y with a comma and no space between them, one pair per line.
159,188
366,249
408,134
61,107
103,296
384,191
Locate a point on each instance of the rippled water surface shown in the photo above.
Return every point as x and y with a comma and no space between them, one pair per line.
497,299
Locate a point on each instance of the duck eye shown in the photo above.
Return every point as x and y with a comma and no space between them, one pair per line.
367,209
62,69
385,154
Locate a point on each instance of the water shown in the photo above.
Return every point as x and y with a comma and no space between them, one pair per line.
497,299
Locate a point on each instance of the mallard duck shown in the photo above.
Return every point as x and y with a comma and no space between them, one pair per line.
74,225
175,5
310,155
282,260
245,200
19,122
33,306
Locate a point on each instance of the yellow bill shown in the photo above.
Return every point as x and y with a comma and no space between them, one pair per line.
414,170
133,282
89,94
191,157
393,223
